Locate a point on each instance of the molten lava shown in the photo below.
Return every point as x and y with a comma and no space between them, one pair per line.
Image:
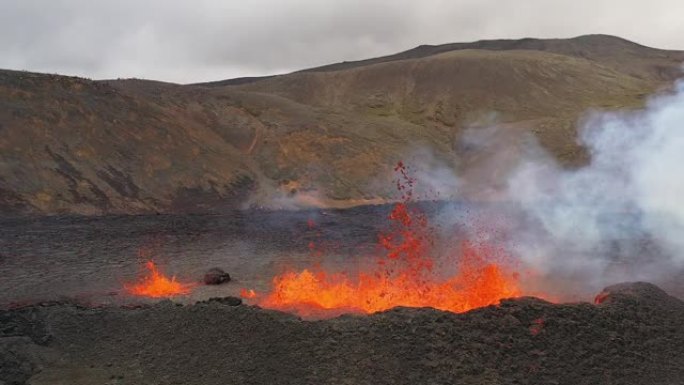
404,276
156,285
478,283
247,293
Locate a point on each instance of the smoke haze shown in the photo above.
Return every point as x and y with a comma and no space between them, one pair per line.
619,218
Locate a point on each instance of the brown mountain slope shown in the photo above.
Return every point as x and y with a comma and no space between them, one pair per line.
620,54
73,145
326,136
624,55
458,89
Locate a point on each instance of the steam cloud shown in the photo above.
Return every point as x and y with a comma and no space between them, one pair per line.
619,218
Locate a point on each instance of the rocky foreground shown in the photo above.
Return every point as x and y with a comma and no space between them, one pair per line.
634,335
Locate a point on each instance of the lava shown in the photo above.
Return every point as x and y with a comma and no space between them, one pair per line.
478,283
406,275
601,298
247,293
156,285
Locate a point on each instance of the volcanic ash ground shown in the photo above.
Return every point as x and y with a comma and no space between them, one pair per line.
633,335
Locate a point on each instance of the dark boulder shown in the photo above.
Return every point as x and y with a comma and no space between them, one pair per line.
637,293
216,276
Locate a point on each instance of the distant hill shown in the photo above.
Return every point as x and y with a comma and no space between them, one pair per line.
326,136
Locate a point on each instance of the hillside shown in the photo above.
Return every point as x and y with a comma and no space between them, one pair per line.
321,137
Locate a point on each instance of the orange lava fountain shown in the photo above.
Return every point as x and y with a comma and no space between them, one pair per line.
156,285
478,283
404,276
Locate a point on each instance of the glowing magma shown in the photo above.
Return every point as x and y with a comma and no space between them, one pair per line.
478,283
156,285
404,276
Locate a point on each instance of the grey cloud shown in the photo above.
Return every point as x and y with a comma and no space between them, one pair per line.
201,40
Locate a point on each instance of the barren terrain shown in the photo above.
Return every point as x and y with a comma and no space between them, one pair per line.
324,137
634,336
258,175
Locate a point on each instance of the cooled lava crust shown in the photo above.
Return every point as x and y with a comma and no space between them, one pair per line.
635,335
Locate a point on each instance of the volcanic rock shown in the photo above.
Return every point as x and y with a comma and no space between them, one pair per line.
639,290
230,301
635,337
216,276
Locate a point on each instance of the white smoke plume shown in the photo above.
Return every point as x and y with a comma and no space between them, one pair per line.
619,218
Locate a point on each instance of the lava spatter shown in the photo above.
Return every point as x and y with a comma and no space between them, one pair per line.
155,284
403,276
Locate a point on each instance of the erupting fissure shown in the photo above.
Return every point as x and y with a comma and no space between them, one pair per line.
405,275
156,285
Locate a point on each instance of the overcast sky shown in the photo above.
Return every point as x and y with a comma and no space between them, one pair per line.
199,40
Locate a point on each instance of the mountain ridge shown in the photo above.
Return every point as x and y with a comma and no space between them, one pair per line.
312,138
425,50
